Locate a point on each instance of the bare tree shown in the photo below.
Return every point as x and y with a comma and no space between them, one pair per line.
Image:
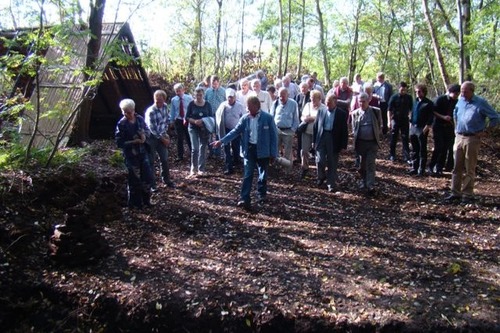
289,35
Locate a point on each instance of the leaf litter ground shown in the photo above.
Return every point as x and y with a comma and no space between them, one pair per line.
307,260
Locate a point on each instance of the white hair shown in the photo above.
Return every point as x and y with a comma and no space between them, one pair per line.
127,104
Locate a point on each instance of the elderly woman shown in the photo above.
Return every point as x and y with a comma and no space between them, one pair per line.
242,94
309,113
130,135
198,131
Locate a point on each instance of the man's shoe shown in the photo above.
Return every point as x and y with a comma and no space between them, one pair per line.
320,182
392,158
154,189
332,188
412,172
467,200
303,174
452,198
170,184
228,172
244,204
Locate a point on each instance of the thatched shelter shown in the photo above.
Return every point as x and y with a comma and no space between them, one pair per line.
62,92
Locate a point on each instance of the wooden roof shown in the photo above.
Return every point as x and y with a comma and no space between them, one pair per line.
62,86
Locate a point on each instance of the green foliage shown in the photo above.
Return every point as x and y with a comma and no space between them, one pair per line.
116,159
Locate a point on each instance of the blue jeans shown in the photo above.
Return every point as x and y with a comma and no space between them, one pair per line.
199,144
231,153
250,162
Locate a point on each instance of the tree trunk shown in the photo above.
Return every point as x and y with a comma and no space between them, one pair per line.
463,7
240,71
354,47
80,130
217,46
322,43
280,50
302,38
289,37
436,45
447,22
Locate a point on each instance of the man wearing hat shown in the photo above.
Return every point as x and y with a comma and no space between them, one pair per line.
443,131
227,117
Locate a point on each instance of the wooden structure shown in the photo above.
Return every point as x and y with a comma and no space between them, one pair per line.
62,89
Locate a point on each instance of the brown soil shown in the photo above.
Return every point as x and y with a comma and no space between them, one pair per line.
402,260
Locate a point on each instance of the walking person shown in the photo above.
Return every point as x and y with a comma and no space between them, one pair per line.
130,135
330,135
156,117
259,148
367,125
198,132
178,110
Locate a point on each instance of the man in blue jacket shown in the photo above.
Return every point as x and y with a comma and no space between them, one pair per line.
259,147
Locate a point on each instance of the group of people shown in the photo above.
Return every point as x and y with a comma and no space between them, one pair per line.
259,128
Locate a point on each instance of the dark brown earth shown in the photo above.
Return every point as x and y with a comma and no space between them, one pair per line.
403,260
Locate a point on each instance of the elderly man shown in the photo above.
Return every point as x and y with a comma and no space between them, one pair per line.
258,148
178,111
343,93
156,117
366,125
286,116
383,90
330,136
226,118
470,116
263,96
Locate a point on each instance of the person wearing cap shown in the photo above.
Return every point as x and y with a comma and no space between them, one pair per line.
443,130
469,115
227,117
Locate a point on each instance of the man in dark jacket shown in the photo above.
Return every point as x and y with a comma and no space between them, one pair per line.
399,109
422,117
330,136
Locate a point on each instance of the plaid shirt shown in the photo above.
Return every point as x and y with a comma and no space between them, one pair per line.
157,120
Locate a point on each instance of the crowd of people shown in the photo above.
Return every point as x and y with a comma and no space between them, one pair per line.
257,124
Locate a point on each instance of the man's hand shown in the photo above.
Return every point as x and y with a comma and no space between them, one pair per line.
216,144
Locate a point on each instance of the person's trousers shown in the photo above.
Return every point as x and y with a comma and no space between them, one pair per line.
403,127
444,138
231,153
306,142
139,180
419,151
466,151
182,134
368,152
326,158
285,140
199,144
157,147
250,162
